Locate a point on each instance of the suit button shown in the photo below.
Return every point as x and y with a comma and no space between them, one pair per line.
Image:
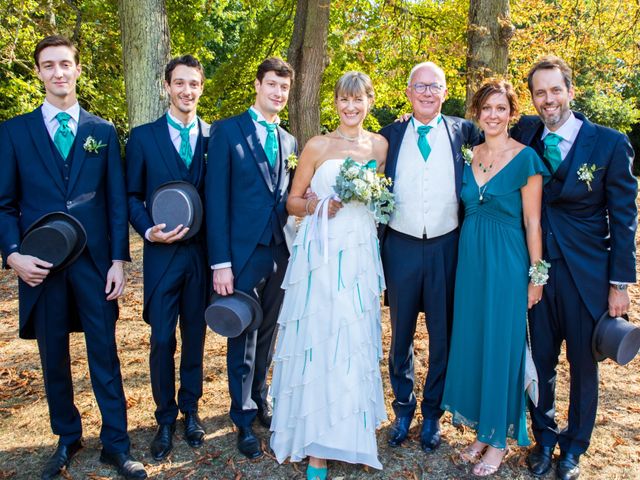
68,203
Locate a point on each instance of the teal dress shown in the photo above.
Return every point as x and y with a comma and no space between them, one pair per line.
484,387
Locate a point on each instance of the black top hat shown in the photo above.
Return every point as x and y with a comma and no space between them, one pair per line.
57,238
615,338
230,315
177,203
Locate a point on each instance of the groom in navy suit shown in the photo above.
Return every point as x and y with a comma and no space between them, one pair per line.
589,221
172,149
420,244
246,192
48,167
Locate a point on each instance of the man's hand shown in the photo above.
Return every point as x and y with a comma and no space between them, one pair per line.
30,269
223,281
618,301
115,280
156,234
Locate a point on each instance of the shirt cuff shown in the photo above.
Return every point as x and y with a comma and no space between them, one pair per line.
147,235
219,266
613,282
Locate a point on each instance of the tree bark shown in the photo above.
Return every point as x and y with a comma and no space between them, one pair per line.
145,52
308,56
488,35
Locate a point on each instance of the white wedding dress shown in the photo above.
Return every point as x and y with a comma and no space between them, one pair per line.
326,387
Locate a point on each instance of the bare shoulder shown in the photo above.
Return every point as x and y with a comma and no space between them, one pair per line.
380,147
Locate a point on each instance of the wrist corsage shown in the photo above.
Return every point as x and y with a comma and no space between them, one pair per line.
539,273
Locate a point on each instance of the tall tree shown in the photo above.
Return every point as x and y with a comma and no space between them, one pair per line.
488,35
145,51
308,56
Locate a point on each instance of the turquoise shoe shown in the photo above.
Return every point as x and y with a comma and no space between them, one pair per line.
314,473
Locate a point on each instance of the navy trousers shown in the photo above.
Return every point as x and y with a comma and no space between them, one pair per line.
249,355
181,293
80,287
559,316
420,276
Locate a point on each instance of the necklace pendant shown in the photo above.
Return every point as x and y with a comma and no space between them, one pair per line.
481,198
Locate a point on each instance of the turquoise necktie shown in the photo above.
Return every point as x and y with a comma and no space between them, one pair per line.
271,145
186,154
552,151
63,138
423,143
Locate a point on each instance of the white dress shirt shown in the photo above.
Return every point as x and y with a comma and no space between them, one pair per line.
425,191
49,113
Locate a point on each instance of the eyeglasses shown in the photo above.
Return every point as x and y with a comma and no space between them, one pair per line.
434,88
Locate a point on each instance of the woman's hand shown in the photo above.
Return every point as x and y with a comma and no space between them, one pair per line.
534,295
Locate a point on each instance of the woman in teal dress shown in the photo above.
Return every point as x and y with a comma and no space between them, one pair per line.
500,238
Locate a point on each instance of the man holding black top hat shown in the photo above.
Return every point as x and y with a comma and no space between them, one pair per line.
589,220
246,193
165,178
62,182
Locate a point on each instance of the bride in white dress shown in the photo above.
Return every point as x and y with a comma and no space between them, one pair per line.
326,388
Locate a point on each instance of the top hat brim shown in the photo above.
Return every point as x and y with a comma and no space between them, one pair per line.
188,192
251,302
597,355
73,222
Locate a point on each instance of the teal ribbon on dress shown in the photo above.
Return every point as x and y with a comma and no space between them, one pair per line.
552,151
371,165
63,138
271,144
186,154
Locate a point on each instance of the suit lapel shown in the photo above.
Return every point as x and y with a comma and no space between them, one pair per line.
253,142
583,148
394,150
166,147
286,148
85,129
40,137
453,131
203,143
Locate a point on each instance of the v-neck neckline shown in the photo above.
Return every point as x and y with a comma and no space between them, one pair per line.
484,185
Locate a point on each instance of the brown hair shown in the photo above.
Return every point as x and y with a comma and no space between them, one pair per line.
488,88
186,60
277,65
352,84
549,62
55,41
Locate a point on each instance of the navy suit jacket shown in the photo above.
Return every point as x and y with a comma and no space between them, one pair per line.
240,197
594,230
461,132
31,186
150,163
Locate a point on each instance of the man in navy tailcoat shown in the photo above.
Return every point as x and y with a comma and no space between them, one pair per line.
60,158
589,223
246,192
172,148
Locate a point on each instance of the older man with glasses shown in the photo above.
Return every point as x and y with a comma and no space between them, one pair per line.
419,246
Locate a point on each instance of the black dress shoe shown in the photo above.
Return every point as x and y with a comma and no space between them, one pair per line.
248,443
539,460
162,442
399,431
127,466
60,459
193,429
568,466
430,434
264,416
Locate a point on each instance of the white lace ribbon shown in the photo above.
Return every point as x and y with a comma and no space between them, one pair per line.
319,226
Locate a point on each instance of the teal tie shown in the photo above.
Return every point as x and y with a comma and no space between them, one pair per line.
552,151
423,143
186,154
63,138
271,145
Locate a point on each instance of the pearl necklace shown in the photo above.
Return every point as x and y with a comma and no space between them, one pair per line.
348,139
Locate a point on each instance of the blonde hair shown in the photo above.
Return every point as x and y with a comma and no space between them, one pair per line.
354,83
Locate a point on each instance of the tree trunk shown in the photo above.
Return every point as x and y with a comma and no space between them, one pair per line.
308,56
145,52
488,35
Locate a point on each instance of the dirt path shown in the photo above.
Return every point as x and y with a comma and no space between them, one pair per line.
26,440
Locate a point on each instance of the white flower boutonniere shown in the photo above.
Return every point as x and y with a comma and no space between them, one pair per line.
92,145
467,154
585,173
292,161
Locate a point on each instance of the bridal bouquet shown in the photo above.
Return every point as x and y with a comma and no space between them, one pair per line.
360,183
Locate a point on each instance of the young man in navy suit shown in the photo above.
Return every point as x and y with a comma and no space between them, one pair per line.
172,148
246,192
47,167
420,244
589,221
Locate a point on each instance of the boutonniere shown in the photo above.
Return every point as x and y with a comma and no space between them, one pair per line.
92,145
585,173
467,154
292,161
